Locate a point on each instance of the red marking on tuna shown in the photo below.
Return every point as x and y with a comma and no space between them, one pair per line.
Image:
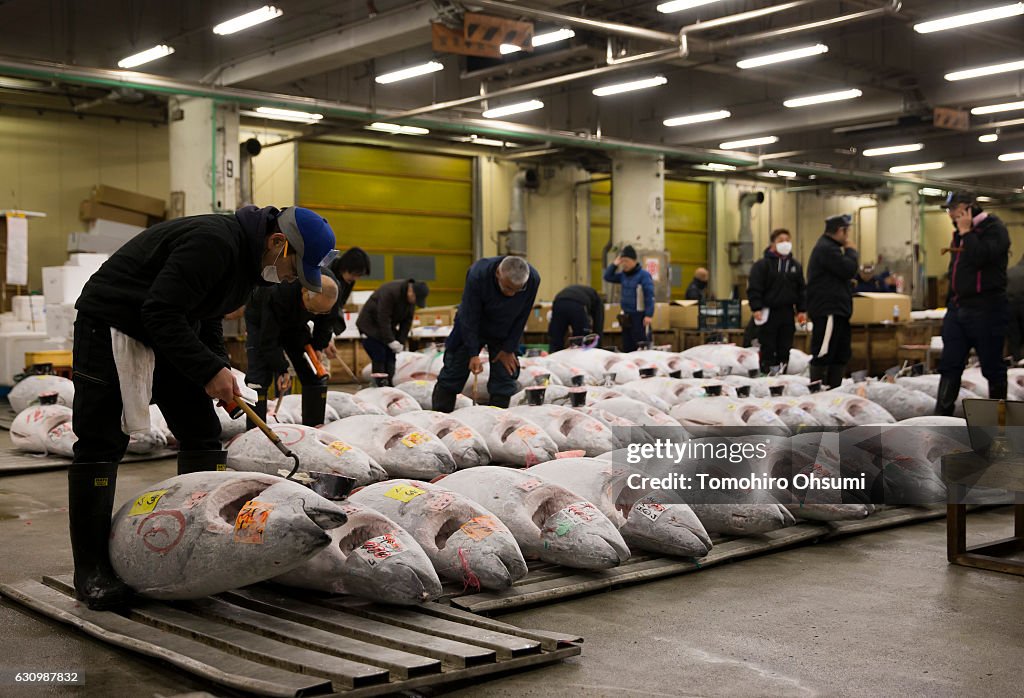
290,435
468,578
161,531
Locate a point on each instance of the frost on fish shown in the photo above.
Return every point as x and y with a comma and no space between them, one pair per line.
290,411
467,446
705,416
570,429
422,391
26,392
345,405
391,400
401,448
44,429
511,439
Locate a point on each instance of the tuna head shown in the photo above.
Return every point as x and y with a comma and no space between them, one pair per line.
391,400
510,438
578,531
467,447
657,524
41,429
570,429
400,447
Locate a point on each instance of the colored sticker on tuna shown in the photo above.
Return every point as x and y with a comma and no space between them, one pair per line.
440,501
649,508
526,432
581,512
415,439
529,485
404,493
338,447
252,521
350,509
462,433
146,503
379,549
480,527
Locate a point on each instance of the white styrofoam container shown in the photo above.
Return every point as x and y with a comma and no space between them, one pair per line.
28,308
113,229
92,260
60,321
14,345
64,284
88,242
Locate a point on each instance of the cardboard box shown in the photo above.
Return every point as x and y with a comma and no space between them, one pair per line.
683,315
130,200
662,317
29,309
875,308
64,284
611,318
539,318
91,210
90,260
438,315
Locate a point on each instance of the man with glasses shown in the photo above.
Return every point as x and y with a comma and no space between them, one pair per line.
977,310
496,302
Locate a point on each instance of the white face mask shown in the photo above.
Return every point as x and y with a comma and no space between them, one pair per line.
270,274
784,248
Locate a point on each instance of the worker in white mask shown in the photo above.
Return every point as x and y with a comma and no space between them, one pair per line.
776,291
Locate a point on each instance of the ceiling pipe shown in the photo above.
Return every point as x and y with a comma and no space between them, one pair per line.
581,22
744,16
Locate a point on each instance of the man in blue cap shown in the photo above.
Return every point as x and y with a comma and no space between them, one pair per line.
167,289
636,300
830,271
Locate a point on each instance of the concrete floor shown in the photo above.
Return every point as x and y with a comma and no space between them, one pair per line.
881,613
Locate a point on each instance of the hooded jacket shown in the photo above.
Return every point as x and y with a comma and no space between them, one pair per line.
777,282
487,316
977,265
170,285
387,314
829,273
637,289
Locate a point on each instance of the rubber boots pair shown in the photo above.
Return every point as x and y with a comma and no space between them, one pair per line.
949,391
90,507
202,461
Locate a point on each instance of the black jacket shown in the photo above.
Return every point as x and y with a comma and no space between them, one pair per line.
275,319
338,313
829,273
487,316
696,291
1015,283
777,282
977,273
589,299
387,314
171,284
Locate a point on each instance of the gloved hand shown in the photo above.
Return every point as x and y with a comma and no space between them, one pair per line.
395,346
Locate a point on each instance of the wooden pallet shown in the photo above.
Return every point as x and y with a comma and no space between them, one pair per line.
273,642
886,518
16,462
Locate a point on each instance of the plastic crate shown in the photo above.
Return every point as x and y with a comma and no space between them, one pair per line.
719,315
59,357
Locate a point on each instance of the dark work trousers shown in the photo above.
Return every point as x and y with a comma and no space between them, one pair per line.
776,337
381,356
635,333
982,328
96,419
830,340
455,372
1015,331
260,375
565,315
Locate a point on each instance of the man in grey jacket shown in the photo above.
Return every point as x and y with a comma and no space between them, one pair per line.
386,320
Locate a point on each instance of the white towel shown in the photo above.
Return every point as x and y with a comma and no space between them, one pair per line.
135,364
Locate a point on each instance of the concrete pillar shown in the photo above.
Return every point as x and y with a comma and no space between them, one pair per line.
898,237
204,155
638,211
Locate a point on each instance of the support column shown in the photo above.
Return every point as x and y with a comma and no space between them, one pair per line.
204,156
638,213
898,237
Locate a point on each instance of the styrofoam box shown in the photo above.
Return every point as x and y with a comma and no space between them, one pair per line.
64,284
113,229
28,308
93,260
14,345
87,242
60,320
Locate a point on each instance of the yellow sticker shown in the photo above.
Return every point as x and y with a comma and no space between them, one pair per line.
420,382
338,447
101,482
415,439
404,493
731,407
146,503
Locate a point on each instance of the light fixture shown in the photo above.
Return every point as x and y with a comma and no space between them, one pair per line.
892,150
715,167
822,98
988,138
510,109
748,142
145,56
931,191
697,118
919,167
411,72
1007,157
996,108
792,55
477,140
285,115
249,19
785,173
985,70
630,86
970,18
398,129
506,49
680,5
540,40
983,199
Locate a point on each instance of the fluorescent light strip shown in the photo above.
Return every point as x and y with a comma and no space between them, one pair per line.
996,108
785,173
892,150
970,18
276,114
988,138
805,52
411,72
680,5
510,109
983,199
632,86
715,167
748,142
145,56
1007,157
931,191
985,70
540,40
477,140
697,118
249,19
919,167
822,98
398,129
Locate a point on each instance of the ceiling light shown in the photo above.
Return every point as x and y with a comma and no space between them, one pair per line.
969,18
477,140
988,138
983,199
995,108
406,73
1007,157
680,5
145,57
892,150
398,129
785,173
758,61
697,118
822,98
249,19
985,70
919,167
715,167
284,115
630,86
510,109
748,143
509,48
552,37
931,191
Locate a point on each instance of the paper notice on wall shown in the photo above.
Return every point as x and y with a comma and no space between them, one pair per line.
17,250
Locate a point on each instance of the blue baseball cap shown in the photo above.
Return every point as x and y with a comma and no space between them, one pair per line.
312,239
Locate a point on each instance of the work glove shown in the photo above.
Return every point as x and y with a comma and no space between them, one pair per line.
395,346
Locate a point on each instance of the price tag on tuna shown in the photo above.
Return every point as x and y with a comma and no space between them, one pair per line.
252,521
379,549
350,509
440,501
462,433
526,432
146,503
649,508
404,493
480,527
415,439
338,447
580,512
529,485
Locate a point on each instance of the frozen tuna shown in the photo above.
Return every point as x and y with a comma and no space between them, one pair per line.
26,392
402,449
345,405
290,411
704,416
391,400
44,429
467,447
901,402
570,429
511,439
422,391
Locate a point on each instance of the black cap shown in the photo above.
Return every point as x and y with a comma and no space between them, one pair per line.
834,223
959,197
628,251
421,291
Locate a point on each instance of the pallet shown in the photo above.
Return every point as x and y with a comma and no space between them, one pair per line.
887,518
16,462
267,641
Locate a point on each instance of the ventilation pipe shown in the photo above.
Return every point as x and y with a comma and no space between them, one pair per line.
746,236
515,236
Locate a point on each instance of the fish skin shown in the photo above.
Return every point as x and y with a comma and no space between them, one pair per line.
901,402
570,429
814,454
705,417
596,362
929,385
728,357
392,401
345,405
477,549
599,392
852,410
422,392
510,438
44,429
400,448
635,411
189,542
548,521
26,392
467,446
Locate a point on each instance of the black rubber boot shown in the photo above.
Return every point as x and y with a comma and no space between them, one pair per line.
996,391
501,401
314,404
443,400
90,506
835,376
819,373
201,461
949,391
260,408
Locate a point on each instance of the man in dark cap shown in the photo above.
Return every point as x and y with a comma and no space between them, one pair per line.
976,308
347,268
637,300
831,268
577,307
698,288
386,319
